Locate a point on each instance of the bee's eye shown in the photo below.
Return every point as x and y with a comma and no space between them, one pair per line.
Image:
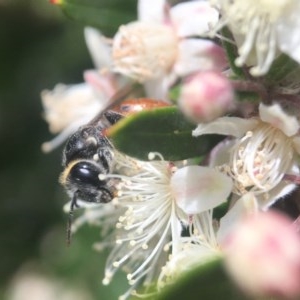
86,173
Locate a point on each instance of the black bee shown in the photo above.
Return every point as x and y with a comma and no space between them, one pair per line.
89,153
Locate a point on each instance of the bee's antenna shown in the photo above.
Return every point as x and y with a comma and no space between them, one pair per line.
70,218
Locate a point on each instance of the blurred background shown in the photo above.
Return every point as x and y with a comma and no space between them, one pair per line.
39,47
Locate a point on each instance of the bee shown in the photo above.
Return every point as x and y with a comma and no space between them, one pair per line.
88,154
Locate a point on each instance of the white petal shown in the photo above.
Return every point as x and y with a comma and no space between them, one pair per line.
193,18
151,11
296,144
197,189
176,226
281,190
288,31
275,115
199,55
232,126
104,85
156,88
98,48
220,154
245,205
284,188
66,104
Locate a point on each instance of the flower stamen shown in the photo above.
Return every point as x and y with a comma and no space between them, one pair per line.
260,160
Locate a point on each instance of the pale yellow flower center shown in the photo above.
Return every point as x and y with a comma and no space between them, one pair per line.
144,50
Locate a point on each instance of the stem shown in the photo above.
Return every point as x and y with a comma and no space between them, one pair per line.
294,99
250,86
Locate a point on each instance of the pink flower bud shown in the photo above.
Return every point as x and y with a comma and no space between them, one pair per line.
262,254
206,96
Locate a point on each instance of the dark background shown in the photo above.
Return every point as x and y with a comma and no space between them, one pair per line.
39,47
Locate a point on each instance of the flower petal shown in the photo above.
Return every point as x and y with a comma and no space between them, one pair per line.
199,55
283,189
245,205
104,85
66,108
288,33
151,11
193,18
275,115
296,143
98,48
220,154
157,88
66,104
232,126
197,189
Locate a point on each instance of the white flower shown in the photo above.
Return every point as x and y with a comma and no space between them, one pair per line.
263,27
67,107
152,209
149,223
200,247
263,153
159,47
204,242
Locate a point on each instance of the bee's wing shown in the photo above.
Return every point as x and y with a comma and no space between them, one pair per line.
117,98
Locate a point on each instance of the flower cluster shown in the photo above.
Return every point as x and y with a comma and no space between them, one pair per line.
231,69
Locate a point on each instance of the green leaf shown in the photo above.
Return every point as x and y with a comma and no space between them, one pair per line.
221,210
281,67
107,15
247,96
162,130
232,52
174,94
209,281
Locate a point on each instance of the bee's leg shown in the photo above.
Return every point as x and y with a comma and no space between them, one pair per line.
107,195
112,116
73,205
105,158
